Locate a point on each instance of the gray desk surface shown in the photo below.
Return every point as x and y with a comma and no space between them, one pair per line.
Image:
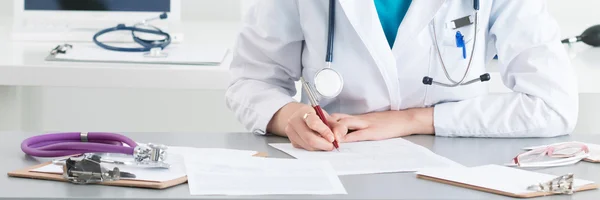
467,151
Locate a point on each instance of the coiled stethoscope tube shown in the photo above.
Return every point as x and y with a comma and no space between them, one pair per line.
147,45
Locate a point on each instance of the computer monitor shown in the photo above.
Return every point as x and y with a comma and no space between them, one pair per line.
75,19
98,5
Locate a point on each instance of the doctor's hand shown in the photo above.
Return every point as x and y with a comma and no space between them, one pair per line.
308,133
386,125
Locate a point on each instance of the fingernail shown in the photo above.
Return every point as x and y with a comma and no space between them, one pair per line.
331,138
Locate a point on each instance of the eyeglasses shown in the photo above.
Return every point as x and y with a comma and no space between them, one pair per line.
560,154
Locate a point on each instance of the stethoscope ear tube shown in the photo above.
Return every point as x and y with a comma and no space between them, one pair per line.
483,78
476,4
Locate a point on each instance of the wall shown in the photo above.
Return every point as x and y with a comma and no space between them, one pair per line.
60,109
583,11
122,110
575,16
192,9
211,9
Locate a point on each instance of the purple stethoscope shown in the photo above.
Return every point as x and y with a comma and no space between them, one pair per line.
75,143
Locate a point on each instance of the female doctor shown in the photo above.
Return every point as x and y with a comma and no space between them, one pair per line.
384,51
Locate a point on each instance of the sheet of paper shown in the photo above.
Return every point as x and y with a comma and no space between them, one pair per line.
199,153
261,176
53,169
507,179
176,155
177,54
393,155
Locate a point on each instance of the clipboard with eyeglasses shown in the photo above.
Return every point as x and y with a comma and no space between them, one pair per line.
555,155
508,181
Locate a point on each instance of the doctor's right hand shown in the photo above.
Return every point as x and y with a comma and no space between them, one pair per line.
300,123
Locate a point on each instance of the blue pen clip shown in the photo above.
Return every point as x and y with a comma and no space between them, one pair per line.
460,42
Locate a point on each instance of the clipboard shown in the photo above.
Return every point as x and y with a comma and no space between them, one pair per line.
530,194
483,189
26,173
172,55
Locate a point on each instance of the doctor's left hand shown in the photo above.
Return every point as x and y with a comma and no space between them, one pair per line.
386,125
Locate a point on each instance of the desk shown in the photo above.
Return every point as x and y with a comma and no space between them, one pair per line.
467,151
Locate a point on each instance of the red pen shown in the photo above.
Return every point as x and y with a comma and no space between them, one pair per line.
315,105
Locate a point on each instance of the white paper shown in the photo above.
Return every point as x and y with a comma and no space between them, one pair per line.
261,176
200,153
177,54
51,168
175,158
393,155
501,178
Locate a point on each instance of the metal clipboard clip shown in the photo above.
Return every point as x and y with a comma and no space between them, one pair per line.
62,49
151,155
145,155
87,170
559,185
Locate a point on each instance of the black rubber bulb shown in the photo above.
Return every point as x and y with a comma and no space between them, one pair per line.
591,36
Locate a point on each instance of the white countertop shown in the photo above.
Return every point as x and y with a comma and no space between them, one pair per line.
23,64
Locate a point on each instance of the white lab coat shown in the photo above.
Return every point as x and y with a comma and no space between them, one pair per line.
281,40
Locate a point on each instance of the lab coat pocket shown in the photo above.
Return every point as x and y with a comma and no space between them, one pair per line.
452,57
455,49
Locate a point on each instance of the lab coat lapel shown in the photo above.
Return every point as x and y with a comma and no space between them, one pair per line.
363,16
419,15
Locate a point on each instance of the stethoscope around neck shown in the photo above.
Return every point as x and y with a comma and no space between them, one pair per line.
329,83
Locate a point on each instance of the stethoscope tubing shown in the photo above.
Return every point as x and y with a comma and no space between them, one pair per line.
66,144
462,80
330,32
484,77
146,44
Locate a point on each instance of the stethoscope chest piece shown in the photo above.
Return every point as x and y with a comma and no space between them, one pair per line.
156,52
328,83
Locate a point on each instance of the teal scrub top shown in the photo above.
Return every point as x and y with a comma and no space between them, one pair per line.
391,13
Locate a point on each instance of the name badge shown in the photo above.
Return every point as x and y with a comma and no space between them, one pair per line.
460,22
